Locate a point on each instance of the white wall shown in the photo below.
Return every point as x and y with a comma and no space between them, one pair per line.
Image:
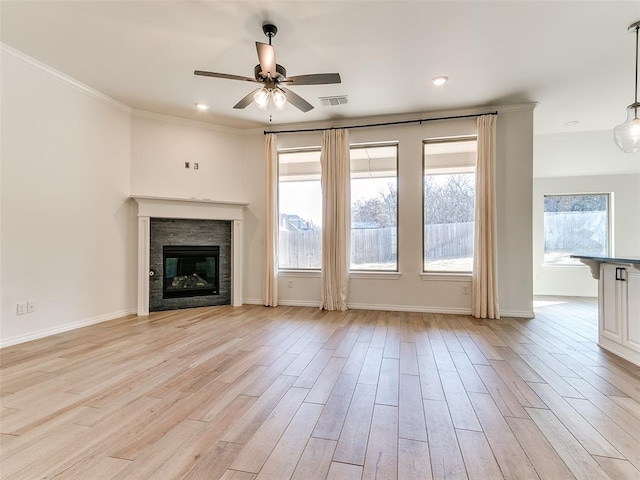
411,291
67,226
160,146
577,280
230,168
584,162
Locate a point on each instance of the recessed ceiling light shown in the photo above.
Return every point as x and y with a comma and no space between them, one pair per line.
202,107
572,123
441,80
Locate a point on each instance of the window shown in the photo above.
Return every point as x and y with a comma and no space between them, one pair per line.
575,224
449,202
374,225
300,209
374,207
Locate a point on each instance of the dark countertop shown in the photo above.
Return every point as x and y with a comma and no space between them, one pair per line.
627,260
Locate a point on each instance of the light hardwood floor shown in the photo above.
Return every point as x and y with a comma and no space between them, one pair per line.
289,392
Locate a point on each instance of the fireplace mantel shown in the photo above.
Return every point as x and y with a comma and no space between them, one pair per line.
187,208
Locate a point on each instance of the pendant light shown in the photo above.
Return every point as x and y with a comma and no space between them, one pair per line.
627,135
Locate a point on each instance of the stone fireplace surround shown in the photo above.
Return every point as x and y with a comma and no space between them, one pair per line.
180,232
194,209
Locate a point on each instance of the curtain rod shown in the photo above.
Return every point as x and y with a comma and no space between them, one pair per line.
384,124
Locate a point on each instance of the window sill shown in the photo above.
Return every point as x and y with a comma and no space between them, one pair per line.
558,266
446,277
376,275
299,273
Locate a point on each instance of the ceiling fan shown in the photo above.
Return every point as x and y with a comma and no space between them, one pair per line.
273,77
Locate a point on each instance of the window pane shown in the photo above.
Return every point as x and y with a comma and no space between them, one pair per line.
374,210
449,202
300,209
575,224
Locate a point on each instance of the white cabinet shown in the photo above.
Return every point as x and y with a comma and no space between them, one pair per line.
619,310
633,310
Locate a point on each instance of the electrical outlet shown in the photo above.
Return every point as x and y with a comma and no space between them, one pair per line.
289,283
31,306
22,308
195,166
465,290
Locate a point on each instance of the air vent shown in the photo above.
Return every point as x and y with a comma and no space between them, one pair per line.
333,101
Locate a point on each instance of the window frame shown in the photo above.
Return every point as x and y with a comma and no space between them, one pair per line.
300,270
449,275
355,273
362,273
609,236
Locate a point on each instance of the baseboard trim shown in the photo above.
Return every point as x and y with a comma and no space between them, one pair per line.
381,307
410,308
400,308
7,342
517,313
299,303
252,301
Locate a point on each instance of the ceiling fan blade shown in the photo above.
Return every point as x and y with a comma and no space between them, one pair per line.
313,79
246,101
296,100
267,58
224,75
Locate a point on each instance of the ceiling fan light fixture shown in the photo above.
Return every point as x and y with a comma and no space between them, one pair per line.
261,97
271,75
627,134
439,80
279,98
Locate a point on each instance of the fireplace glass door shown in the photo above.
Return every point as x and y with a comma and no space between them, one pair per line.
190,271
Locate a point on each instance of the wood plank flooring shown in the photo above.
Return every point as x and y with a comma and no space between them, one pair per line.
290,392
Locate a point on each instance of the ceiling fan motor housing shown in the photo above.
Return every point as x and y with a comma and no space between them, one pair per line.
281,73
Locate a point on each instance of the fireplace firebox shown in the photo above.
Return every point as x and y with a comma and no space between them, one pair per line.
190,270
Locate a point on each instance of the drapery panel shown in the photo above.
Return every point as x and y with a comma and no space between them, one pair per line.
271,222
336,219
484,281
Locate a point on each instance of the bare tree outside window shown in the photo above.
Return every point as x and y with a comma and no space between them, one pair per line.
374,207
449,202
374,210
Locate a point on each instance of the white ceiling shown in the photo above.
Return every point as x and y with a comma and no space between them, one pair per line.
575,58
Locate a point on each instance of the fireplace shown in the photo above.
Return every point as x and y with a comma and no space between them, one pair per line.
181,221
190,270
189,263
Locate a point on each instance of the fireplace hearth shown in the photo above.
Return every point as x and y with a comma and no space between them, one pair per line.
190,270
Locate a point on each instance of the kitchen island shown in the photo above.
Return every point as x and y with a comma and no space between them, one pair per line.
618,304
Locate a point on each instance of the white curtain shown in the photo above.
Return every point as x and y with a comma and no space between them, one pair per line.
336,219
484,282
271,222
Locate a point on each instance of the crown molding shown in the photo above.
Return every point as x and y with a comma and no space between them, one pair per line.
61,77
345,122
161,117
